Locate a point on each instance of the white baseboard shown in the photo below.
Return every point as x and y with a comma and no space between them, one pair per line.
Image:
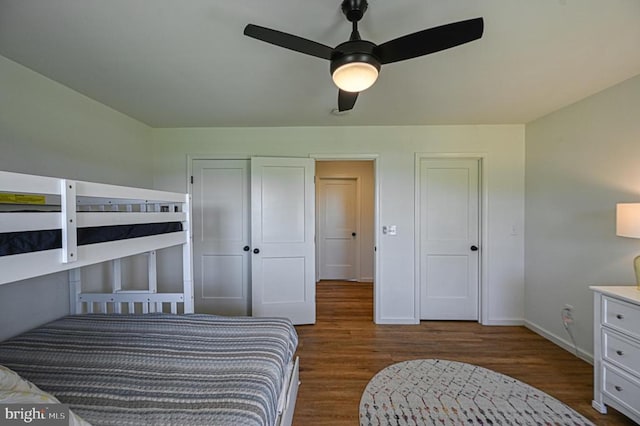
401,321
505,322
564,344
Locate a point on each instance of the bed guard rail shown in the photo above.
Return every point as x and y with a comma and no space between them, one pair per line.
129,302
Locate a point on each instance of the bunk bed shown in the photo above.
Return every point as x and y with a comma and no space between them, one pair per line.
134,356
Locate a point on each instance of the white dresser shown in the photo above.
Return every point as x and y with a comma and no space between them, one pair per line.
616,350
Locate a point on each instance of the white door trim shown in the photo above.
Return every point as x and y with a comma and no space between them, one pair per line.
377,242
483,291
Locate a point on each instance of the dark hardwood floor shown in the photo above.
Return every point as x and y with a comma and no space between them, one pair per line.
345,349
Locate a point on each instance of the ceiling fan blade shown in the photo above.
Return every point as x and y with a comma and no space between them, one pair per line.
288,41
346,100
430,40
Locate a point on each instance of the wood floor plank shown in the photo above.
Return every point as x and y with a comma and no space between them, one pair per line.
345,349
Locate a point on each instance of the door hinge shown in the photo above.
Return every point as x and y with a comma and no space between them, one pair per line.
191,180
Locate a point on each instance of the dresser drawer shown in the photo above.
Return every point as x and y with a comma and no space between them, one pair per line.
621,350
622,388
621,315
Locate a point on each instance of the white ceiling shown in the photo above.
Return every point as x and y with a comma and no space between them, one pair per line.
172,63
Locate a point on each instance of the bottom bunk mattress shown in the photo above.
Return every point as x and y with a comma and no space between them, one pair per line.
158,369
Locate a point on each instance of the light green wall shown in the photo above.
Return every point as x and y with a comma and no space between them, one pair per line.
580,161
395,148
48,129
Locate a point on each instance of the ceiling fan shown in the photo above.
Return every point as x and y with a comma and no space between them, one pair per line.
355,63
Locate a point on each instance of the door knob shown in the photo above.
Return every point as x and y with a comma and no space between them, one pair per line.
353,234
474,248
256,251
246,248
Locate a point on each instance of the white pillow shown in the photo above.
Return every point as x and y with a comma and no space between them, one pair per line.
15,390
10,380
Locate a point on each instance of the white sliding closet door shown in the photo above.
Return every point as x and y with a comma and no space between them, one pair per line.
282,235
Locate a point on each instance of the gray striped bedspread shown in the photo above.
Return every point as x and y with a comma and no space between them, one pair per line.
159,369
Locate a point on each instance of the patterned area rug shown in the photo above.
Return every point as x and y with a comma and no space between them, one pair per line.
438,392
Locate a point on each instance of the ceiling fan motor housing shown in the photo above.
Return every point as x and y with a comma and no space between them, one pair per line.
354,51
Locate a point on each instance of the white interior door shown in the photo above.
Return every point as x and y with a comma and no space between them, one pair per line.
282,234
338,228
220,235
449,239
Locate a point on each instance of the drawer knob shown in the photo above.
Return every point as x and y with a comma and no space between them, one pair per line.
618,388
619,352
620,316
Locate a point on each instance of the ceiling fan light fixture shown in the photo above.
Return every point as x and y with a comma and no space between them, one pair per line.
357,71
355,76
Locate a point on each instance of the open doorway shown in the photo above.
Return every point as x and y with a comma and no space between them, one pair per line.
345,220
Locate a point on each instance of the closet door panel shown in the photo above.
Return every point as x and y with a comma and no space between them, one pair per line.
220,233
282,233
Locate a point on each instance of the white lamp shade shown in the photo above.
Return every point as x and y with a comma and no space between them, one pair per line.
355,76
628,220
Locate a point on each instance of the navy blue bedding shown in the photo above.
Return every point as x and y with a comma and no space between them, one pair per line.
29,241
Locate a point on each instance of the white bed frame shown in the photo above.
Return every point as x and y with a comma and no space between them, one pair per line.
85,204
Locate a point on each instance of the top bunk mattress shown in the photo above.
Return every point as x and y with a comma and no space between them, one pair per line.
159,368
31,241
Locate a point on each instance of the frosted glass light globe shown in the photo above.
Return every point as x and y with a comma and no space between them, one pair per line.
355,76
